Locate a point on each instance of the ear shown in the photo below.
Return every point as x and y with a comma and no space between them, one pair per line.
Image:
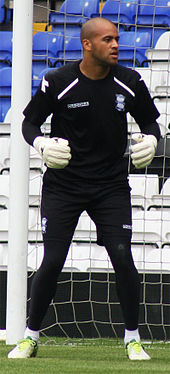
86,43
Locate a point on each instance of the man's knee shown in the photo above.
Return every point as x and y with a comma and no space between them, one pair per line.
119,250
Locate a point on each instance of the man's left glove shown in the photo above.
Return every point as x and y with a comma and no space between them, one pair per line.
143,152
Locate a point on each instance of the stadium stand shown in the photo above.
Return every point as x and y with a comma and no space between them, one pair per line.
4,154
162,200
159,56
150,258
143,187
72,51
156,83
163,106
34,186
72,14
150,227
132,47
5,13
150,208
45,50
153,15
35,159
121,13
5,91
5,48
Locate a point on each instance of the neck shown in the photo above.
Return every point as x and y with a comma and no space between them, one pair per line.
94,72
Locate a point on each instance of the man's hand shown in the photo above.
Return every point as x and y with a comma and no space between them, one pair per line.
55,152
143,152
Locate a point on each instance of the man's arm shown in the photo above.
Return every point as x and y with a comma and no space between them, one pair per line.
30,131
145,114
144,110
55,152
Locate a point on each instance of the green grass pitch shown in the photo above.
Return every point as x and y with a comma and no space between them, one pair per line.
89,356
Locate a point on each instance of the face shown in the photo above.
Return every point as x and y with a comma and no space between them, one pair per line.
104,45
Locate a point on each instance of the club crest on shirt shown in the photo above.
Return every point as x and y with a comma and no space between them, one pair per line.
120,102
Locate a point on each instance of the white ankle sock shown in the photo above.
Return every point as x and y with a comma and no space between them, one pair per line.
130,335
32,333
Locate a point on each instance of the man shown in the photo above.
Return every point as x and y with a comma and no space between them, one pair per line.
87,170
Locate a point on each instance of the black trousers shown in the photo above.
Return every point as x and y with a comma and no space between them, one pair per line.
109,207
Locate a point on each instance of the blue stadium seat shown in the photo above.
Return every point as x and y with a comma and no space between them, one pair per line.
154,11
121,13
67,29
5,48
72,14
2,11
5,13
73,50
153,17
5,91
74,11
132,47
45,50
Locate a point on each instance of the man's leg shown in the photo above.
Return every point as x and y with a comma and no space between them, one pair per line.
128,288
59,219
111,212
45,281
127,279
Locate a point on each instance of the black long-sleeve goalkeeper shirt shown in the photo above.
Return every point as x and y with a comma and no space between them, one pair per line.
91,115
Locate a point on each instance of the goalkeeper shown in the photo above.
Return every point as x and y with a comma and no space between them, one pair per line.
87,170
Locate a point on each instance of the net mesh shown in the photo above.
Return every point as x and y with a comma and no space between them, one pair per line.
86,303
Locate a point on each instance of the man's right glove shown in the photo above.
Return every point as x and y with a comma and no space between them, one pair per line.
55,152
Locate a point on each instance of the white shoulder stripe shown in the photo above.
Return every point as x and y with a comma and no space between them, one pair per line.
68,88
124,86
44,84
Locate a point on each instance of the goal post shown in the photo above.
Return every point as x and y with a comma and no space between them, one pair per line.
19,172
85,303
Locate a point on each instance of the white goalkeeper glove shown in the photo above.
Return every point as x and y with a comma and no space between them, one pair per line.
55,152
143,151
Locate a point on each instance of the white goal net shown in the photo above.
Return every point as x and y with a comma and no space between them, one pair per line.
86,303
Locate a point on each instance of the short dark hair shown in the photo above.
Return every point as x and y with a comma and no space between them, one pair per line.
88,28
